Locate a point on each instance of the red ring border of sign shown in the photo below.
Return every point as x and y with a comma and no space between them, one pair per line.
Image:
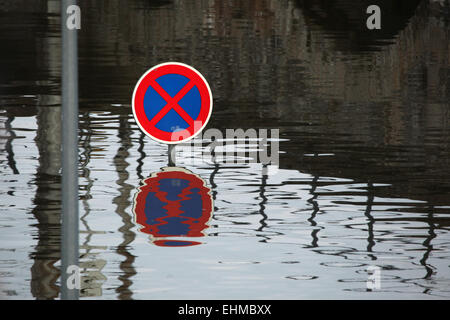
142,87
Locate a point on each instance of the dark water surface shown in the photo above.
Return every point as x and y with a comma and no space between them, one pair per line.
364,175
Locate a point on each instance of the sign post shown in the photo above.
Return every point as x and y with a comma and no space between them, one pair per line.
172,103
172,155
69,237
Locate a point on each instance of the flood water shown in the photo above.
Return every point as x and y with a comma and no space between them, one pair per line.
364,173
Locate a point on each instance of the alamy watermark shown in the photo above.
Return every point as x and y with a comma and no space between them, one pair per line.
374,20
73,281
231,146
374,279
73,21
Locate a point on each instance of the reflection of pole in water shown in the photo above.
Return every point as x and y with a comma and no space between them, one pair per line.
313,202
427,244
69,244
142,156
371,220
262,195
213,187
213,174
122,201
8,146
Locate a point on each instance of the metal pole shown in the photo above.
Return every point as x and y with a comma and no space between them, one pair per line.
172,155
69,243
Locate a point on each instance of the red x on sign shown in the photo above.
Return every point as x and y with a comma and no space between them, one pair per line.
172,102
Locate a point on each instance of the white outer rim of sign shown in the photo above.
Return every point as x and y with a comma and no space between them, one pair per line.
210,107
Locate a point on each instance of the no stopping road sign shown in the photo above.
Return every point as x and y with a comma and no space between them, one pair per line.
172,102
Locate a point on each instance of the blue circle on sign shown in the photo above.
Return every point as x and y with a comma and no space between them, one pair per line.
172,84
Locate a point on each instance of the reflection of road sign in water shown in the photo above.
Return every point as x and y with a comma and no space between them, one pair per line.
173,203
172,102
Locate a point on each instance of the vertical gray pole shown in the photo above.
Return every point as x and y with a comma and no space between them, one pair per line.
172,155
69,244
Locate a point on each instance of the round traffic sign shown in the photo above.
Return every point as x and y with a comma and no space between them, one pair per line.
172,102
173,203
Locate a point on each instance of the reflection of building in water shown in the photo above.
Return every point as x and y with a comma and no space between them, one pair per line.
47,210
90,264
249,50
173,203
34,54
345,20
266,59
276,60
